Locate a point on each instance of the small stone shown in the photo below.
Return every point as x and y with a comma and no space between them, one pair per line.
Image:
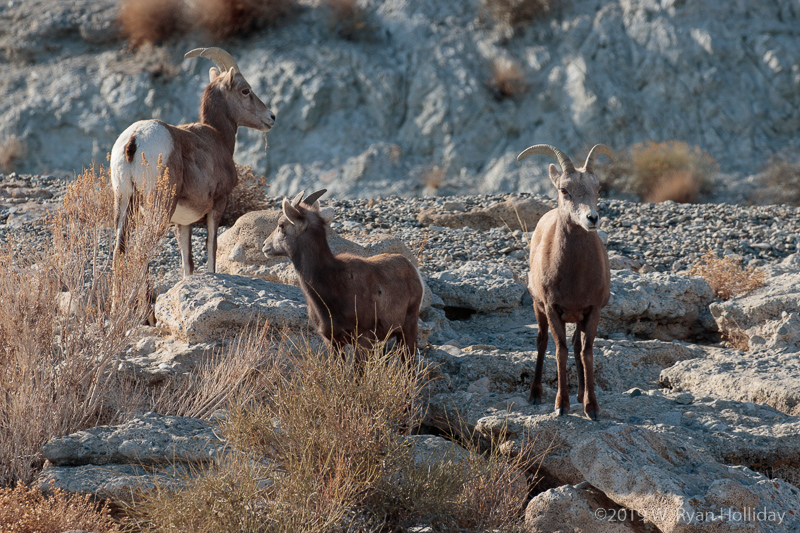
684,398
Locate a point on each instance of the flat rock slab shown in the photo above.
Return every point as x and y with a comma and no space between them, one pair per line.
657,306
752,435
149,438
207,307
477,286
112,481
761,377
577,509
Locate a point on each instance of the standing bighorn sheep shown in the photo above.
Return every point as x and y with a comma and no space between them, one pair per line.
569,277
199,157
350,299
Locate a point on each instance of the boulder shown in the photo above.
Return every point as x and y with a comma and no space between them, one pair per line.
514,212
578,509
477,286
760,377
206,307
114,481
657,306
146,439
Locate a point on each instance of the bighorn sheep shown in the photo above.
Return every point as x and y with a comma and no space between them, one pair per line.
569,276
199,157
350,299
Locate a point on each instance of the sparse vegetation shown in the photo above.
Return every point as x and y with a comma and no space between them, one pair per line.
154,21
726,275
433,177
781,182
661,171
250,194
514,13
348,18
27,510
737,339
507,79
324,451
11,151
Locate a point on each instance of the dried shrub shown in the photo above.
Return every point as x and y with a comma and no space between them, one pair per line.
348,18
514,13
726,276
11,151
323,450
738,339
433,177
151,21
250,194
507,79
226,18
63,320
27,510
670,167
780,182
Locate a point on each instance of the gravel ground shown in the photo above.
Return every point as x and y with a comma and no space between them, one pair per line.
666,237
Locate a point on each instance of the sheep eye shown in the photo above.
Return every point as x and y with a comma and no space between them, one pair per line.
246,92
564,192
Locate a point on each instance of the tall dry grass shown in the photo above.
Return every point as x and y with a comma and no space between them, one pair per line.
64,318
324,450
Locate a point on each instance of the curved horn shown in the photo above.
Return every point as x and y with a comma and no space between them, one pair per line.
596,150
297,199
314,196
222,59
552,151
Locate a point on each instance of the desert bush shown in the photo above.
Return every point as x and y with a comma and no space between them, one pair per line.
507,79
433,177
513,13
11,151
151,21
63,319
738,339
670,170
27,510
227,18
726,276
347,18
780,182
323,450
250,194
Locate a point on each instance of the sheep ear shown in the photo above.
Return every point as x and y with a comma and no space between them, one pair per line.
228,80
213,73
554,174
326,213
292,213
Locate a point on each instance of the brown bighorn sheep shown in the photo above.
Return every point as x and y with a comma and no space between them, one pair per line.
569,277
350,299
199,157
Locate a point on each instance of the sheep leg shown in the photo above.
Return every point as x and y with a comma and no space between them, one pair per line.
408,339
212,223
184,235
577,344
535,395
590,323
559,332
120,223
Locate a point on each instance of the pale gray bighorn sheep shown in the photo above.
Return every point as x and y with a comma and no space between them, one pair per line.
569,277
350,299
199,157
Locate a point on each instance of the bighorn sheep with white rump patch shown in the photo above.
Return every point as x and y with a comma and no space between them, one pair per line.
199,157
569,277
350,299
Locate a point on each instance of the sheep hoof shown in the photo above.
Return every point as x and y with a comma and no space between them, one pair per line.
535,401
592,415
562,411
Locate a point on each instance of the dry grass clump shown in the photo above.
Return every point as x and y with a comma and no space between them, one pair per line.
348,18
507,79
670,170
433,177
154,21
151,21
250,194
11,151
726,276
737,339
780,182
27,510
64,317
323,451
514,13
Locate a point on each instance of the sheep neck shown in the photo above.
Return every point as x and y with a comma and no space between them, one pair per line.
214,112
313,259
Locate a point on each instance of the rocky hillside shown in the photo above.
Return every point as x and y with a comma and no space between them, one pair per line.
408,103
